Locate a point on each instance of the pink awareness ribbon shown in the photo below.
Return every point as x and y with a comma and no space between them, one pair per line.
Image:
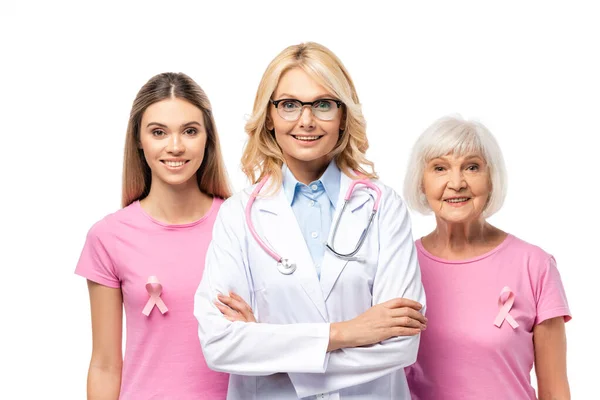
505,303
154,289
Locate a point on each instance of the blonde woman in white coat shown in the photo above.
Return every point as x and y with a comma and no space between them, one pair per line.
328,327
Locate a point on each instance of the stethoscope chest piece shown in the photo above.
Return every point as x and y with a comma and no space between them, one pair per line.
286,267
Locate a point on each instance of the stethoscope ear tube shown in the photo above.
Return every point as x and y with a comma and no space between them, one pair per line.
284,265
363,236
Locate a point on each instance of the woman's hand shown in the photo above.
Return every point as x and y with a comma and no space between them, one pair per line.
396,317
234,308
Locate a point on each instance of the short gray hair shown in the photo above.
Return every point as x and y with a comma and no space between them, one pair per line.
454,134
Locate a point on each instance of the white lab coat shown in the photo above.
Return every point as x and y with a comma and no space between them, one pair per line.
284,355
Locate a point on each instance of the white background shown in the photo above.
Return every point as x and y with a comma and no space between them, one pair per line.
69,73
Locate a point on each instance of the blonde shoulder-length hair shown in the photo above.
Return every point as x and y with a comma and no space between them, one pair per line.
262,155
137,177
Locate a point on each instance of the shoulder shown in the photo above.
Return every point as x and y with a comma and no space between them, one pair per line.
233,210
525,249
217,204
390,199
386,191
105,228
392,211
535,259
237,201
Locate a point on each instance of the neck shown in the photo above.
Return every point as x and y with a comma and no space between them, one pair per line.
452,240
460,234
176,204
307,172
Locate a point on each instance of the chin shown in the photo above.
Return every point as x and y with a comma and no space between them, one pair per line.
458,219
178,182
308,156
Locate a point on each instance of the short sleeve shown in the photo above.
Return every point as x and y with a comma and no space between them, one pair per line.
551,300
95,262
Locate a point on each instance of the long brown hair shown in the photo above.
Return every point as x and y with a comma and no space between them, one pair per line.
262,155
137,177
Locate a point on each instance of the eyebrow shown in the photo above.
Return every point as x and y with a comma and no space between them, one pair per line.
182,126
320,96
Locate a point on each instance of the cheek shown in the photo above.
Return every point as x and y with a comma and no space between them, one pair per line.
433,188
149,149
481,187
332,127
200,146
282,127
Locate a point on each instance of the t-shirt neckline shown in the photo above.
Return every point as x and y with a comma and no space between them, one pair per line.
504,243
212,208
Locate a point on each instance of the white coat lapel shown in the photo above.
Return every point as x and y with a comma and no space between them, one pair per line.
280,230
350,228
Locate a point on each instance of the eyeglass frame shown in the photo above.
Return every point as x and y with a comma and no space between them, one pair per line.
339,104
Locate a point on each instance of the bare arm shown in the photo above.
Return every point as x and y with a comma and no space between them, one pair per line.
104,375
550,344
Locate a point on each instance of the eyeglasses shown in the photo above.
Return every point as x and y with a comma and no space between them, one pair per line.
291,109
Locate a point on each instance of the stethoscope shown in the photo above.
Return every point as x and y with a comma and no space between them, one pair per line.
285,265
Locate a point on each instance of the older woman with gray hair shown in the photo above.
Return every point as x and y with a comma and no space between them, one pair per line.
496,304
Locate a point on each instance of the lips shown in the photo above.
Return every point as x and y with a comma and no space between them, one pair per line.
457,200
307,138
174,164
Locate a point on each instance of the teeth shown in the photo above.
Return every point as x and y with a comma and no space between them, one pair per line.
174,163
460,200
307,138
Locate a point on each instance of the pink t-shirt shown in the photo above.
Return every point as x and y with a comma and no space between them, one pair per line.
463,355
163,358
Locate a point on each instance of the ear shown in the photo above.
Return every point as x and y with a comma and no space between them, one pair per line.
343,120
269,123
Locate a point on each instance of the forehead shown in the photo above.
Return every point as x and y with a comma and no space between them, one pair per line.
300,85
172,111
459,158
453,144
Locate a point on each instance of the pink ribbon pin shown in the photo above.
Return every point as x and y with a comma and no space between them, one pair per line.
505,302
154,289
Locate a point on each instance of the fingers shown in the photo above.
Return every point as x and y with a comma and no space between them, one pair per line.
401,302
409,313
238,298
408,322
230,314
238,305
406,331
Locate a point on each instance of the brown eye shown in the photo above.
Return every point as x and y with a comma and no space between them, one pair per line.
473,167
191,131
158,132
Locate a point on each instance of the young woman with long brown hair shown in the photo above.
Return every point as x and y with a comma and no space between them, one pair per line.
148,257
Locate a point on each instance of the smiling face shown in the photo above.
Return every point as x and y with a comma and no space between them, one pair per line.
307,142
173,139
457,188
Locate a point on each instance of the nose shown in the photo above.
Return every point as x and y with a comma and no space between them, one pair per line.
456,180
175,144
307,119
